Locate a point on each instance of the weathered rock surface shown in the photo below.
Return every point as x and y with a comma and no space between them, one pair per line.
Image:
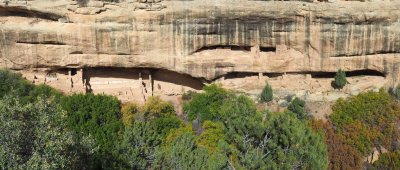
204,39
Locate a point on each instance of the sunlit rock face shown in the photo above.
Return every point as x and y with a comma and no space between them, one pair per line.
205,40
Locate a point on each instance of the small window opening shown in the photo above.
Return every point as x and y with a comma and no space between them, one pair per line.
73,71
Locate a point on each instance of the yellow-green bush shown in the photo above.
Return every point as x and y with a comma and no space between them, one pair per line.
129,112
156,108
367,120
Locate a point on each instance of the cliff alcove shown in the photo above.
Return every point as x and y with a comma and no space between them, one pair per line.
131,50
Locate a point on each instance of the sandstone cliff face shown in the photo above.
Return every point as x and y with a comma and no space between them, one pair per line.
204,39
324,35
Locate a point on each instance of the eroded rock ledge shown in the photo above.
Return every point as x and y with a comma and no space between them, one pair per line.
204,40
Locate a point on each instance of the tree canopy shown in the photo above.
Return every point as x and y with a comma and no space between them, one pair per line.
340,79
267,94
258,139
367,120
43,128
98,116
35,136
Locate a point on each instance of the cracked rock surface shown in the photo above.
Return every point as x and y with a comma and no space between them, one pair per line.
204,39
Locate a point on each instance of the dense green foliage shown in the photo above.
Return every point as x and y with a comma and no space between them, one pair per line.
13,84
212,134
45,92
95,115
341,155
137,147
267,94
367,120
146,129
204,106
359,124
130,112
395,92
182,152
34,136
389,160
340,79
44,129
297,107
188,95
287,143
265,140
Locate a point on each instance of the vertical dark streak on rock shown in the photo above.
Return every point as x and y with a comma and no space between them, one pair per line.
150,24
362,50
215,36
34,38
395,71
174,38
386,45
197,37
307,35
366,63
349,35
191,32
205,27
368,42
391,40
332,40
377,34
137,38
340,40
397,42
174,34
287,33
257,34
385,66
96,38
295,40
239,32
4,46
246,33
323,39
181,36
251,31
226,31
268,32
291,32
358,35
130,28
128,38
184,33
277,33
232,27
113,41
260,34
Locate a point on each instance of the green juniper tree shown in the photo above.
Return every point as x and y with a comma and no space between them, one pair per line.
267,94
297,107
35,136
95,115
340,79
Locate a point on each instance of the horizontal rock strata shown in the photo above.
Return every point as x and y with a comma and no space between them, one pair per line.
203,39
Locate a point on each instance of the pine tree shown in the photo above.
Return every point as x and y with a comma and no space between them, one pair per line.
267,94
340,78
